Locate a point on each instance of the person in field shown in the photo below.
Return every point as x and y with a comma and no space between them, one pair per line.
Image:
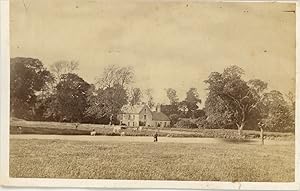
155,136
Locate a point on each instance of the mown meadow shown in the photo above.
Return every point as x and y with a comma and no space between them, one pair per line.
151,161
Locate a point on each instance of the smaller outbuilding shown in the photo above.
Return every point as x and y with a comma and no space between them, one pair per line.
159,119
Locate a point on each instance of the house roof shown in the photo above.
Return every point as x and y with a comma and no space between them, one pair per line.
132,108
159,116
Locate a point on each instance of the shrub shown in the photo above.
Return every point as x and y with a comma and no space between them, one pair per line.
174,119
185,123
202,123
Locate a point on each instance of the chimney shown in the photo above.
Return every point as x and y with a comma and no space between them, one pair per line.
158,108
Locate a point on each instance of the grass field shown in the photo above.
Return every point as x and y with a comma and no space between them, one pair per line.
153,161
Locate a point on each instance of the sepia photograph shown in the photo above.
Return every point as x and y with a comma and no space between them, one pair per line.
152,90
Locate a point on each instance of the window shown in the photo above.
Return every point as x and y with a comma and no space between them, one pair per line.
132,123
165,124
145,117
145,110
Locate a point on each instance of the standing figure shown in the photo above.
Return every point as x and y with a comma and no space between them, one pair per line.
261,126
155,136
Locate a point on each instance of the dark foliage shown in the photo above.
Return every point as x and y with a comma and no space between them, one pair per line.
28,78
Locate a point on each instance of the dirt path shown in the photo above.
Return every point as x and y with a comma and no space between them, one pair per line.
174,132
143,139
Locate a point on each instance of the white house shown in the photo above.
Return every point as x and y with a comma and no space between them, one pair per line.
141,115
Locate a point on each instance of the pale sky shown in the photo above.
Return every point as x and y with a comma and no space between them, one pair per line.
169,44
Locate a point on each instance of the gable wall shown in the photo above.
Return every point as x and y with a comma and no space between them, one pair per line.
146,112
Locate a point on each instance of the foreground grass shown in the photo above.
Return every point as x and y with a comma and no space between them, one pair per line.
151,161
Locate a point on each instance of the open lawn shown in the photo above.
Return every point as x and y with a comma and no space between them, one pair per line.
179,160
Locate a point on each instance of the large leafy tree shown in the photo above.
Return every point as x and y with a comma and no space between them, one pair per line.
292,104
149,97
172,95
106,103
69,102
172,108
135,96
63,67
277,113
116,75
232,100
29,77
190,104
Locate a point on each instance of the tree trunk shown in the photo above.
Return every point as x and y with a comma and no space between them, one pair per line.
262,136
33,112
240,128
243,122
110,119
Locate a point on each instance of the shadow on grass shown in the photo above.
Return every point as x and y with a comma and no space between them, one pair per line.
54,131
238,141
47,131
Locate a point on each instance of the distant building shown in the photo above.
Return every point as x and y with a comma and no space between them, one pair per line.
141,115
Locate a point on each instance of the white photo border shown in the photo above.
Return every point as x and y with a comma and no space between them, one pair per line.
5,180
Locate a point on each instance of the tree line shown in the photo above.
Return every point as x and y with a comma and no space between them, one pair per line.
60,94
234,103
